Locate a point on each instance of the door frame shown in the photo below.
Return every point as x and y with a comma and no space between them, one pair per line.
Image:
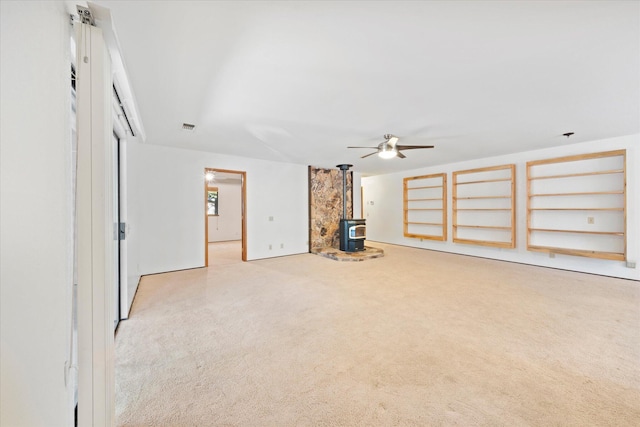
95,230
243,209
117,256
121,132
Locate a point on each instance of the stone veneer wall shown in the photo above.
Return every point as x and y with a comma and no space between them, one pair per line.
325,206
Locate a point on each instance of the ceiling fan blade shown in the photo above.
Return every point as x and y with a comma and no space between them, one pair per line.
402,156
364,147
367,155
392,141
412,147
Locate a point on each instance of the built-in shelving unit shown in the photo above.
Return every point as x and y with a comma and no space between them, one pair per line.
576,205
484,206
425,206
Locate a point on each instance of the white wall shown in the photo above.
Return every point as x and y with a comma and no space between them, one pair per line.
385,215
36,272
169,208
227,225
132,217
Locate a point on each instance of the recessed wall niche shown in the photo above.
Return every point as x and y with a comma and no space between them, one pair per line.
576,205
484,210
425,206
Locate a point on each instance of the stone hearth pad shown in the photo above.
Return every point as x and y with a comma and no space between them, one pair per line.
338,255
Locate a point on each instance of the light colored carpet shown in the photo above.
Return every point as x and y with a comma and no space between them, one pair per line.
416,338
225,253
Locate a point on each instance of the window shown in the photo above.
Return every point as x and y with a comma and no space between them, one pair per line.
212,201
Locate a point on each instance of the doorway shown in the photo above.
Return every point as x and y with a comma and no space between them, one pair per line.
225,212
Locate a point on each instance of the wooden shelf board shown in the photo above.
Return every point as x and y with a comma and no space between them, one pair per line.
494,244
492,227
482,197
615,256
423,223
579,157
570,175
483,209
576,209
484,180
608,233
425,236
428,186
590,193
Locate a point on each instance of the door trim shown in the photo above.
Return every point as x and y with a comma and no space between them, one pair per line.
244,212
95,222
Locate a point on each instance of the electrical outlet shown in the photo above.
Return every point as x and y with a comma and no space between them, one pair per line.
631,264
552,255
591,220
270,247
270,218
281,245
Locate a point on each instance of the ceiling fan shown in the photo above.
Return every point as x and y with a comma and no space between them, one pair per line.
390,148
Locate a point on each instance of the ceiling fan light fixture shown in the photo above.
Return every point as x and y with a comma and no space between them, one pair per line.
389,148
387,151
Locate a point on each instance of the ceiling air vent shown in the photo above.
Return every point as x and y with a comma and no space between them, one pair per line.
188,126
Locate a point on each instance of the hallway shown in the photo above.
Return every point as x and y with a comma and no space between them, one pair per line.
225,253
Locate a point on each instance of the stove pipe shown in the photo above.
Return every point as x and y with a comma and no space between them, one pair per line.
344,168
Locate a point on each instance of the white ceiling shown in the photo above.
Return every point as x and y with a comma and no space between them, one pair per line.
299,81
